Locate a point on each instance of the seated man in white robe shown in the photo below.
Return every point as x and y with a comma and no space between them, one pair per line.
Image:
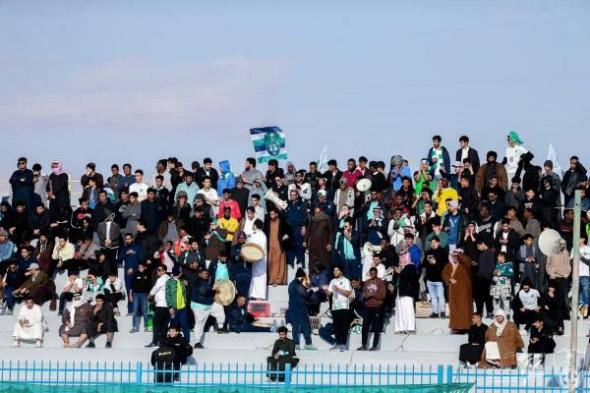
29,324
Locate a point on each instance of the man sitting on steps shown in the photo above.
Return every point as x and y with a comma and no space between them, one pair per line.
283,352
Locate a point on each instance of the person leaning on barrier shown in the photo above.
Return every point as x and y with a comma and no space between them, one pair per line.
283,353
162,361
181,350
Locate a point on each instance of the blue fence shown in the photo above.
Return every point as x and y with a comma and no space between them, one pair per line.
77,373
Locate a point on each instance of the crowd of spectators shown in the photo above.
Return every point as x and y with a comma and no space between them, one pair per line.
459,233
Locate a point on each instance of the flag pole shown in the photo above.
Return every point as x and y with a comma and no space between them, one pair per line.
575,293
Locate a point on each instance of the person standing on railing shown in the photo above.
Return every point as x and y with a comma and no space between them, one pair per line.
22,184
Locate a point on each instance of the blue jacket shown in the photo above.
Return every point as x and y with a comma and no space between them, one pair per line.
226,179
202,292
396,178
297,214
238,318
6,250
131,260
298,297
23,264
414,252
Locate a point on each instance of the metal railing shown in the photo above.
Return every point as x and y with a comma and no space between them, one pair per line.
241,374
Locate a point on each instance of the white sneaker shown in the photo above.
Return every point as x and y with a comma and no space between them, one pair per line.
38,344
15,344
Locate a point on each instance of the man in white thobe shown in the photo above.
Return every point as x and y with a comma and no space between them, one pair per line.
259,276
29,325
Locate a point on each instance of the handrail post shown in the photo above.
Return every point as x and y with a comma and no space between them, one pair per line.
440,374
139,373
449,374
287,376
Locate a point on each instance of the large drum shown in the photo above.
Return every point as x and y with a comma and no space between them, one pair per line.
364,185
252,252
226,294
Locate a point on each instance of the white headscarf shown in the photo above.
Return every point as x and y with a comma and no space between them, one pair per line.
500,326
74,304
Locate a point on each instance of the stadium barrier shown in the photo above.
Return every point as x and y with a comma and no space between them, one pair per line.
250,375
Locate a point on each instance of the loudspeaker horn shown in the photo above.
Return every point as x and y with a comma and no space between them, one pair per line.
551,242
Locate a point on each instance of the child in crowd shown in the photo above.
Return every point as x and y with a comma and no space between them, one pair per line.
501,289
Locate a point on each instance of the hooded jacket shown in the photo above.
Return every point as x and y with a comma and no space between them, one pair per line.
226,179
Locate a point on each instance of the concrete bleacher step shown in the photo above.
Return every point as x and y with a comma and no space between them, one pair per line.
432,343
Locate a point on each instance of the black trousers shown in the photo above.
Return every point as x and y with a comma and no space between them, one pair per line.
562,288
482,296
161,318
341,324
372,322
276,367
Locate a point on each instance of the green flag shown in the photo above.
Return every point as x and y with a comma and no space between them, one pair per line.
269,143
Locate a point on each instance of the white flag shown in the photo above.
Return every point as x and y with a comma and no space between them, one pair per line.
551,155
323,161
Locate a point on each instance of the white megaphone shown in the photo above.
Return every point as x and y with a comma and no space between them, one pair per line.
551,242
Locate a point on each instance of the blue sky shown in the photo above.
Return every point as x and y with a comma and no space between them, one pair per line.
117,81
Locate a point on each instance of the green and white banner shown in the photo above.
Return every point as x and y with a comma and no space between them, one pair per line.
269,143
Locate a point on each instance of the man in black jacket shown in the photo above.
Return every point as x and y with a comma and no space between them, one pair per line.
468,197
470,353
240,320
486,264
162,361
207,170
283,353
179,345
541,340
466,151
573,179
333,176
